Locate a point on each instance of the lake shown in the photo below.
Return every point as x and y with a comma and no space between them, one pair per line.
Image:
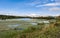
21,23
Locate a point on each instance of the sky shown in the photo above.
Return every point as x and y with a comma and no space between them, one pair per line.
30,7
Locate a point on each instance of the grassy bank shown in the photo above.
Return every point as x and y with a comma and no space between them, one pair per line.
38,31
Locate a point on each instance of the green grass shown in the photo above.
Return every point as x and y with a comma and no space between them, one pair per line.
38,31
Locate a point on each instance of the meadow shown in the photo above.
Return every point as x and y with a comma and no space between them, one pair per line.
30,28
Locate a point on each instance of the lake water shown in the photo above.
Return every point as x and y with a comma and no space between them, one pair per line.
22,22
25,19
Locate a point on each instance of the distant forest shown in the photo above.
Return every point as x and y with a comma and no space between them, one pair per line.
4,17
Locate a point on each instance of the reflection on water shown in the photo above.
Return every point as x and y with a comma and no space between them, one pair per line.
34,23
25,19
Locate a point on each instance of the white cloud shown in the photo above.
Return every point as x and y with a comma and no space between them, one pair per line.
57,0
38,3
52,4
32,15
49,4
54,9
4,12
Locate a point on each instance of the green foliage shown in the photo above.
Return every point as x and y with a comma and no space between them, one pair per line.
30,29
8,34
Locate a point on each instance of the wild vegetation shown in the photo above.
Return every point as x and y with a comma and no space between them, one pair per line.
38,31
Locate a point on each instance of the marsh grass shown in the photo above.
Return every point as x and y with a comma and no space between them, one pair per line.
39,31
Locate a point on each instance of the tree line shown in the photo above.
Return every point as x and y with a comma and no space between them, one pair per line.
3,17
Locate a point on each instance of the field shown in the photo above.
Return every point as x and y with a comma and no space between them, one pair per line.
34,28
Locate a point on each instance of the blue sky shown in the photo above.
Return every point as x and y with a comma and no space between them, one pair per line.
30,7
